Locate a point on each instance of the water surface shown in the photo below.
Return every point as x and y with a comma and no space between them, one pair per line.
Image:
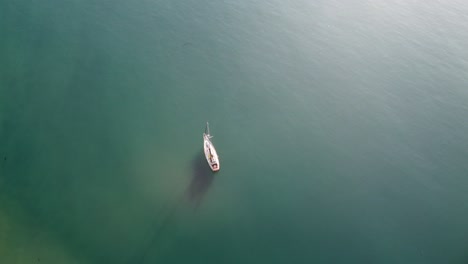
341,127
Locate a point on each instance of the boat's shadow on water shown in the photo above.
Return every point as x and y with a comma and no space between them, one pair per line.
201,180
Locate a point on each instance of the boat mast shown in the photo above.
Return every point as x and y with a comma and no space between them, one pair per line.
207,130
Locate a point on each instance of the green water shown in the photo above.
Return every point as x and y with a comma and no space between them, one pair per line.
342,129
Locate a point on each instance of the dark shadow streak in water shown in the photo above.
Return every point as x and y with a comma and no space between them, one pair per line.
200,182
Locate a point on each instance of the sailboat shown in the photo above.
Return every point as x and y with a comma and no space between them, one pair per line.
209,149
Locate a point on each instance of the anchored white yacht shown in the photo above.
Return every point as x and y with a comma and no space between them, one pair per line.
210,151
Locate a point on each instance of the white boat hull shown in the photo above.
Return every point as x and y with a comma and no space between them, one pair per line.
210,153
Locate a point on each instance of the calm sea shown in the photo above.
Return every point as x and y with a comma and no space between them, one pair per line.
342,129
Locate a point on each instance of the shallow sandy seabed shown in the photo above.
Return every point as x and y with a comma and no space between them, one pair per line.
23,243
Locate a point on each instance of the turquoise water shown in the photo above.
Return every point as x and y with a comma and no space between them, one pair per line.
341,127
